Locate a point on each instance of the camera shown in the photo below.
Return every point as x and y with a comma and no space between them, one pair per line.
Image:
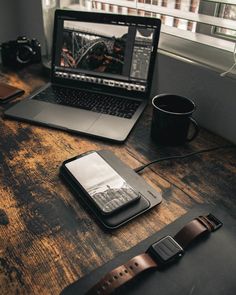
20,52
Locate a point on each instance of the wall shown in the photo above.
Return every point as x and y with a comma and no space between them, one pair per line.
30,19
21,17
8,20
215,96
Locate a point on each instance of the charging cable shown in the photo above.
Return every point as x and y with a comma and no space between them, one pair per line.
140,168
233,66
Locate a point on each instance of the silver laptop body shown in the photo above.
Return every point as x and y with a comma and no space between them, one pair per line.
102,69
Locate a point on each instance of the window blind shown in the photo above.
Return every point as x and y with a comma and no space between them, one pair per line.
179,17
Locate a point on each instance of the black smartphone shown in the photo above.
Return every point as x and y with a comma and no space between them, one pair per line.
100,182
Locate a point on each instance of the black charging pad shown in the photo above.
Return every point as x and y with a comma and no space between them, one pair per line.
149,197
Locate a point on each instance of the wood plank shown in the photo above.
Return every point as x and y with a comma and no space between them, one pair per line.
47,238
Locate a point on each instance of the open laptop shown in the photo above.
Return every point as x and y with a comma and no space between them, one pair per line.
102,69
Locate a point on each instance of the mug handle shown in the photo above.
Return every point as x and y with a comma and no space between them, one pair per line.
196,129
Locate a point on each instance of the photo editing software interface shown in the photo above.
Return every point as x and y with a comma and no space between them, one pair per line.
115,55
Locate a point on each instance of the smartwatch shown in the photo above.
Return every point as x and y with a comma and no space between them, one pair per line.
160,254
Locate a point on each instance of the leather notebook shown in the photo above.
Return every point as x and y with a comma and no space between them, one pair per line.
8,92
208,267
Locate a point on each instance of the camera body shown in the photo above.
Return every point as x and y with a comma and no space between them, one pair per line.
20,52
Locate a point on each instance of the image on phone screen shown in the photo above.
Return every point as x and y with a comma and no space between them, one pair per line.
105,187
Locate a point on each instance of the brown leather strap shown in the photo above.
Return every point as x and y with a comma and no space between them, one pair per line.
124,273
190,232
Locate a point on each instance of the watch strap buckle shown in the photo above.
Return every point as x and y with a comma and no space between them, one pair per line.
216,223
210,222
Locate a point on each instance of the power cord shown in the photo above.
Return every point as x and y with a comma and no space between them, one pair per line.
140,168
233,65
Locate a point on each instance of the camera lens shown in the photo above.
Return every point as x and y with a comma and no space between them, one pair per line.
24,54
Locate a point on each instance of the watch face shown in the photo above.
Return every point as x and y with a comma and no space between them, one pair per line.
166,250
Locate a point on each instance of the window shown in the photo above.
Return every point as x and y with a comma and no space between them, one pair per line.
229,12
207,22
223,12
190,16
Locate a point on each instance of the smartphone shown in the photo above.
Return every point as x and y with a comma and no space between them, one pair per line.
101,183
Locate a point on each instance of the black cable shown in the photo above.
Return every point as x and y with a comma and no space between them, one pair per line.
140,168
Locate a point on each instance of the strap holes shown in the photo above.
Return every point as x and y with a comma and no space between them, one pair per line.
131,267
115,277
110,281
136,264
121,274
126,271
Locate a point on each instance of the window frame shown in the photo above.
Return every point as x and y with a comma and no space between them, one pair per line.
218,60
188,51
213,58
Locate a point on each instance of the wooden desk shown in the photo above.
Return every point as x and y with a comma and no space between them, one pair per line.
47,239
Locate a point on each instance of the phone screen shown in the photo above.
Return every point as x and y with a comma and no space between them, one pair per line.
102,183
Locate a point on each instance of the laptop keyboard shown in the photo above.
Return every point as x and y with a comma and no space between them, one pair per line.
100,103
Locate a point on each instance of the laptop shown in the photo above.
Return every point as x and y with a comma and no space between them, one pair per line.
102,69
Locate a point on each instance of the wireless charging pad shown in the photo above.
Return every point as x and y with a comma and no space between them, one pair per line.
149,197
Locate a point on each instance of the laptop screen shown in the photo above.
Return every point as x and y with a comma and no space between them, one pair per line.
117,53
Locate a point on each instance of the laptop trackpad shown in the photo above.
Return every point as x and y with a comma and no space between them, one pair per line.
71,118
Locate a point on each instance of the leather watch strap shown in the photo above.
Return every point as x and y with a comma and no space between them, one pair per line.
123,274
190,232
201,225
166,247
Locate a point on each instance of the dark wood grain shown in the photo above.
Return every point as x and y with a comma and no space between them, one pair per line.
47,238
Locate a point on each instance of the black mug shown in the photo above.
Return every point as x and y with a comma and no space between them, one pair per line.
171,119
